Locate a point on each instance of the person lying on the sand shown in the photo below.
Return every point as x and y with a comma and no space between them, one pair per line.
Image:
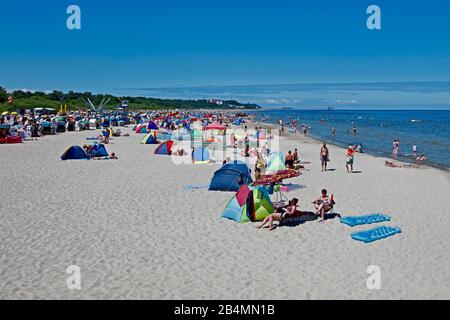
113,156
280,214
323,205
392,165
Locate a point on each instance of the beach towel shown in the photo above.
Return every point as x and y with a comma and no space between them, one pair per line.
368,219
375,234
291,187
196,187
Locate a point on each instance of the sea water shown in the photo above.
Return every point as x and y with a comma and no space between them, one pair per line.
375,130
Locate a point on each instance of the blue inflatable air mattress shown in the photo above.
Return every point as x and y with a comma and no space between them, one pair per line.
375,234
368,219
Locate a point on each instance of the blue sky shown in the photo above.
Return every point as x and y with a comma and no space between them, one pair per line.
171,43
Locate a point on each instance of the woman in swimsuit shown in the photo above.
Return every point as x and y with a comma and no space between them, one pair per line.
323,205
324,157
280,214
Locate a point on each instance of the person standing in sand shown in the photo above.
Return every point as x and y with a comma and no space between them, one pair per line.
396,147
259,166
350,159
324,157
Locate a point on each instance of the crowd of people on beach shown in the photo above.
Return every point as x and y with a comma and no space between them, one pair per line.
170,121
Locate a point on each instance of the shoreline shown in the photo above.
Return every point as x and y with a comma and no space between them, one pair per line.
318,140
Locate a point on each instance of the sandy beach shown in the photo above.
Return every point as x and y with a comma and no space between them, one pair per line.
136,233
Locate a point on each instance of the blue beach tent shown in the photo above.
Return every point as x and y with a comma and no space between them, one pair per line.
99,151
164,148
149,139
74,153
152,126
201,155
231,177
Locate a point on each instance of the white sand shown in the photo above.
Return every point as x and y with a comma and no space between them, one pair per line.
135,232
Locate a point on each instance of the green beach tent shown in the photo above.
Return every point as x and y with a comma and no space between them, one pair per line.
276,163
249,204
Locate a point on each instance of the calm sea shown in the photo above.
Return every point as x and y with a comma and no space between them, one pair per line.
376,130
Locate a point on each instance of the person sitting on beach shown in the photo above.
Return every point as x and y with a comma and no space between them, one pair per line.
247,150
113,156
228,159
86,149
421,158
324,204
280,214
295,156
106,134
289,161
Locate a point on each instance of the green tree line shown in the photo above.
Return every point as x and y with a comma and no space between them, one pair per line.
74,101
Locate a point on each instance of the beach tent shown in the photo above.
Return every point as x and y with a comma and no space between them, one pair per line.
201,155
248,205
275,163
164,148
196,134
231,177
152,126
74,153
181,134
161,135
99,151
141,129
149,139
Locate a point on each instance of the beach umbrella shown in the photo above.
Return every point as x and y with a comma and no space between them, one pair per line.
5,113
14,113
276,177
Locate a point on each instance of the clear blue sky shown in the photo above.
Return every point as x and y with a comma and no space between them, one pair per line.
158,43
